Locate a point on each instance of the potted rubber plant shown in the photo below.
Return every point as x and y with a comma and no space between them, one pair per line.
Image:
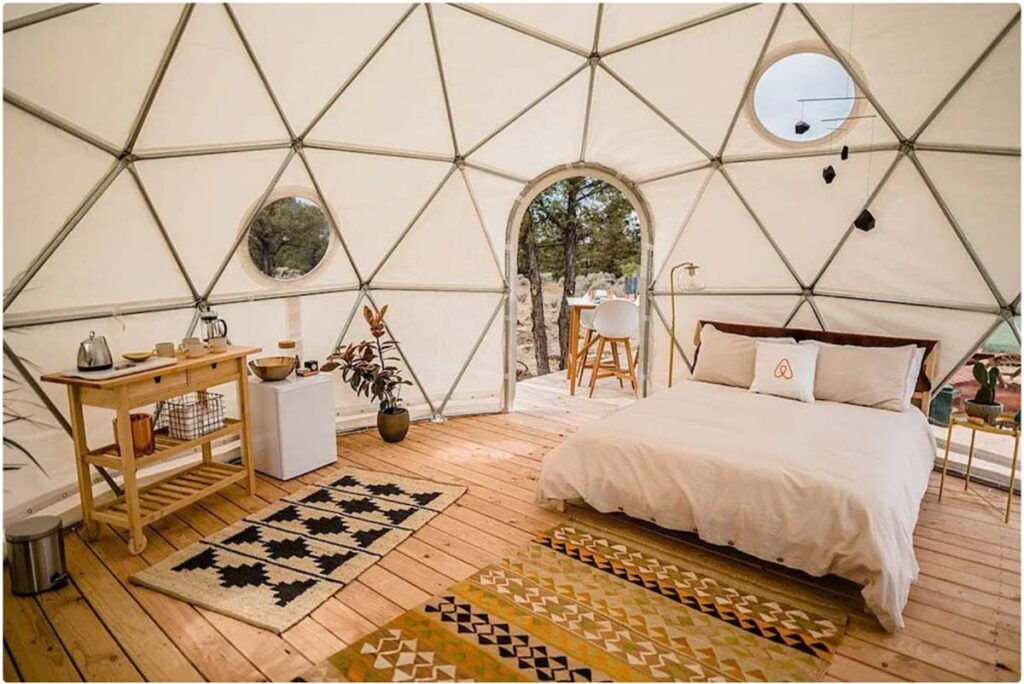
369,368
984,404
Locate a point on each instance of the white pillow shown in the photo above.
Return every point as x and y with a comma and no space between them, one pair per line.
785,370
727,358
866,376
912,372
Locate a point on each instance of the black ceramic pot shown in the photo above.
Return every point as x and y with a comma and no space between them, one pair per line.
393,424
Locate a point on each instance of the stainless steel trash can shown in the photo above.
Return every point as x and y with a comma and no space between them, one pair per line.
35,555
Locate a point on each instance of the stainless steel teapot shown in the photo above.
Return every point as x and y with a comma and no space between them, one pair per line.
94,354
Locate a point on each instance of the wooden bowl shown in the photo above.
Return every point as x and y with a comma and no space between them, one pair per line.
273,368
136,357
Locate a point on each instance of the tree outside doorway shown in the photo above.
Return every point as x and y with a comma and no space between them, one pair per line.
579,235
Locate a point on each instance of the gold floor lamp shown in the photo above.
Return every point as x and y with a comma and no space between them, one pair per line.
688,282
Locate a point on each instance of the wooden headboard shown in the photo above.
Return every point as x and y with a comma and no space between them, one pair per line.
923,390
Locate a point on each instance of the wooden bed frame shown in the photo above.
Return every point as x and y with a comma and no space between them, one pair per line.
922,393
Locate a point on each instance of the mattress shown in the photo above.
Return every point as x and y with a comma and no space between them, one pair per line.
823,487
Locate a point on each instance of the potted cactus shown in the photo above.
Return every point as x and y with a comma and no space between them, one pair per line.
984,404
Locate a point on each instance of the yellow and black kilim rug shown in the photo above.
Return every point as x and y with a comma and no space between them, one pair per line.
579,606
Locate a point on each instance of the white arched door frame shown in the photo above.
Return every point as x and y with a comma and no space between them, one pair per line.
629,189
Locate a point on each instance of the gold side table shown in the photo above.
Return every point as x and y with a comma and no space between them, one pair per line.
1005,425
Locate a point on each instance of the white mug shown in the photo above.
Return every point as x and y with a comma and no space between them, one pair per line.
165,349
218,344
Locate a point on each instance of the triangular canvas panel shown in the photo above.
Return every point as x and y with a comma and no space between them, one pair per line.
717,84
987,208
725,241
911,55
318,319
295,68
91,67
397,101
912,254
211,93
671,201
115,255
495,196
626,22
203,202
17,10
569,22
757,310
558,118
374,197
970,118
626,135
242,274
447,246
480,387
959,331
804,318
55,173
493,76
435,340
751,137
806,216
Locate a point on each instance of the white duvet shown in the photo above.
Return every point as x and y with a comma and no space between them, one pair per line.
822,487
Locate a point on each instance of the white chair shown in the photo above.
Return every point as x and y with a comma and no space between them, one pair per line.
615,321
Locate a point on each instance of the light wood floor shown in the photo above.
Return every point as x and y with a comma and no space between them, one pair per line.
963,618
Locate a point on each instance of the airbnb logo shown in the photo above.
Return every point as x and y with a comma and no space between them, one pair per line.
784,371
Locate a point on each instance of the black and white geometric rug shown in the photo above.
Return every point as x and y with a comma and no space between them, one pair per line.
278,564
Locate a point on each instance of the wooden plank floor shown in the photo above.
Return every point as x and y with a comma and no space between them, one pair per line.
963,618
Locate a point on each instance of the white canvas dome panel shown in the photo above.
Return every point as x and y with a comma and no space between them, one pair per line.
396,101
571,23
319,321
466,260
717,83
961,337
626,135
295,68
211,94
495,196
96,266
55,172
971,118
494,75
804,318
480,387
626,22
806,217
912,54
725,240
437,331
987,210
91,67
374,197
16,10
672,200
912,254
558,117
204,200
793,35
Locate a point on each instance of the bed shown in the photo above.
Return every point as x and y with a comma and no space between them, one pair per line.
822,487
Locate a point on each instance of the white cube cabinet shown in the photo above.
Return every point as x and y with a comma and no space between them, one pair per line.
292,425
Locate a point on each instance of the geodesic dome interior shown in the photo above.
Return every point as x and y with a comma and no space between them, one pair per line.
140,141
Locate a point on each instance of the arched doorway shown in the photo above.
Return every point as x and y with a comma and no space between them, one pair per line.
530,193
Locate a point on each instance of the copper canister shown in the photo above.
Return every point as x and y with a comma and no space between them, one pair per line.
143,440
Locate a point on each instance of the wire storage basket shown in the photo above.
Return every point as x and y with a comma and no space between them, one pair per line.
192,415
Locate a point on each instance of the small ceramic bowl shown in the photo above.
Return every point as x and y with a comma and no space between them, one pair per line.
136,357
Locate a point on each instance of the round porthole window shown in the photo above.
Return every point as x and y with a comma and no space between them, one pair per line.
288,238
804,97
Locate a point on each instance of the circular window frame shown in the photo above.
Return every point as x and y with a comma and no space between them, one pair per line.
280,193
803,47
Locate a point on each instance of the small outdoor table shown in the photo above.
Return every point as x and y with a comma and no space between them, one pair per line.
1010,428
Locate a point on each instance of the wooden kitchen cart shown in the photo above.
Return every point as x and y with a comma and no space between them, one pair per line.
140,506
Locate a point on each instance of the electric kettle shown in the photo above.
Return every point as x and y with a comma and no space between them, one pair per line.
94,354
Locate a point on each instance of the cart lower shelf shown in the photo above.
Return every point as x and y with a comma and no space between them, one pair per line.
163,497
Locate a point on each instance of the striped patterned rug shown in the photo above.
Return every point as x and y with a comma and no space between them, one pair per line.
576,605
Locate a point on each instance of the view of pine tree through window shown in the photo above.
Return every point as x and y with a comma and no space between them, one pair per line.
580,234
288,238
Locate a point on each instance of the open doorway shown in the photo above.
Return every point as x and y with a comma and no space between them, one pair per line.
580,236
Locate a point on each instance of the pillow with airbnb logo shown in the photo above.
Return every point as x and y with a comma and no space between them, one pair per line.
785,370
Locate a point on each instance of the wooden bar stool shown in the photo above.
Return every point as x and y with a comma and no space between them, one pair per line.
615,322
